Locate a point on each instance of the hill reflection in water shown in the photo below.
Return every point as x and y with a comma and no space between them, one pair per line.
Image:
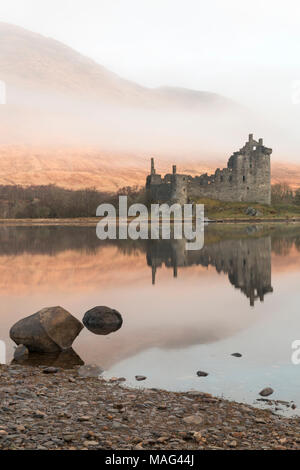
243,253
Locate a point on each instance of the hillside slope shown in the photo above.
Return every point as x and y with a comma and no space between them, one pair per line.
78,168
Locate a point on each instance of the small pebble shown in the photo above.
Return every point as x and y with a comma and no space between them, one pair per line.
200,373
266,392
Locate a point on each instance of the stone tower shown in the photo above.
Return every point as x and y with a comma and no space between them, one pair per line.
251,172
179,187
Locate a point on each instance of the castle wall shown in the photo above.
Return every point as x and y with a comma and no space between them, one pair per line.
160,193
247,178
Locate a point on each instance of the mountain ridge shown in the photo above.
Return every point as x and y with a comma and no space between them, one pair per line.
43,62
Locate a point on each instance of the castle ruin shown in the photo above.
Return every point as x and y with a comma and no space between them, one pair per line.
247,178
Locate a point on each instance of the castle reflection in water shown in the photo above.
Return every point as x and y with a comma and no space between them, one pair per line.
242,253
247,262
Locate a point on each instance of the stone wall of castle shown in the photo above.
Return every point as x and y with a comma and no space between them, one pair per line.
246,178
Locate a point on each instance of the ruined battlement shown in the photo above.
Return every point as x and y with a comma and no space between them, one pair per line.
247,178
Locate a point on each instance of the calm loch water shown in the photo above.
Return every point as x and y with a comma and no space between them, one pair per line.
182,311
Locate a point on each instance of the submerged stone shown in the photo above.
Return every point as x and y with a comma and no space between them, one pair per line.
266,392
201,373
61,359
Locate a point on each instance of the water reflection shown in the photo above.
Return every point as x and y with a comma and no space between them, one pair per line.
192,323
62,359
247,262
243,253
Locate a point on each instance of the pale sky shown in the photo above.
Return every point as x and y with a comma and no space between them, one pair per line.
215,45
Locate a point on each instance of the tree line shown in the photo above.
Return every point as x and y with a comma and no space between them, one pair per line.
55,202
282,193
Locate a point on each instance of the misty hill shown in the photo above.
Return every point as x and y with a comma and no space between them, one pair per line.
43,65
70,121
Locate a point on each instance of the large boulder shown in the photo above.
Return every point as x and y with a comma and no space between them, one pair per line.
50,330
102,320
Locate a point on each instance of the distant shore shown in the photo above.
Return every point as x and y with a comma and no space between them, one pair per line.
92,221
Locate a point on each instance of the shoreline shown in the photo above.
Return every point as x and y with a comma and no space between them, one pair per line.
61,410
92,221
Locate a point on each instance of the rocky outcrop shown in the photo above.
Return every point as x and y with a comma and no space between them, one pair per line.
102,320
252,212
50,330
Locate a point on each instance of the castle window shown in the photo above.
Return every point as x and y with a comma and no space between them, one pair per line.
244,178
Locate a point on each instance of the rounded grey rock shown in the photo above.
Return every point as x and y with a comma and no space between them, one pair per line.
102,320
266,392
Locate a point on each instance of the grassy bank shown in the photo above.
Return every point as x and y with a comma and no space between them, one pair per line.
217,210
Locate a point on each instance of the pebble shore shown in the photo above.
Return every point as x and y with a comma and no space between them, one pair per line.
61,410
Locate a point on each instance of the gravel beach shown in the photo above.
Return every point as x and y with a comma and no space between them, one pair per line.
47,409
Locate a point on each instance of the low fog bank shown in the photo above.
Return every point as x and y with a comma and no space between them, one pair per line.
179,134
